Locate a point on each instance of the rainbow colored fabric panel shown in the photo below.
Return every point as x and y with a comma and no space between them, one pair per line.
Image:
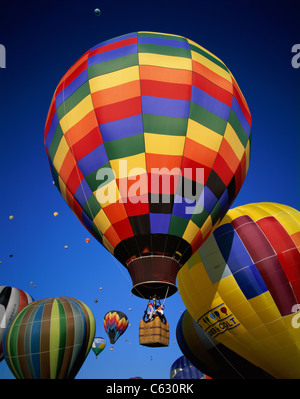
49,339
259,247
154,109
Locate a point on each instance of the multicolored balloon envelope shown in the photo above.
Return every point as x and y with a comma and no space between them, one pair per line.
183,369
12,300
148,140
210,356
98,345
49,339
243,286
115,323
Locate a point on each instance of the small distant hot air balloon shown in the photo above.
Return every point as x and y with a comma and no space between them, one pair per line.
115,324
97,11
98,345
87,240
49,339
55,214
66,247
11,217
12,300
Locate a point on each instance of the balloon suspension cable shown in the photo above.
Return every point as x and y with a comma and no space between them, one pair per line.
166,296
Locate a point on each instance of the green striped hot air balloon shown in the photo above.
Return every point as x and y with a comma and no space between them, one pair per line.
49,339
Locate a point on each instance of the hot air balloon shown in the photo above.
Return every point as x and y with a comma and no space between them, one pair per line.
49,339
243,285
12,300
148,140
182,368
87,240
98,345
55,214
210,356
115,324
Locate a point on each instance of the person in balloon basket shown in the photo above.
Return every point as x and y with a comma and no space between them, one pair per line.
160,313
150,312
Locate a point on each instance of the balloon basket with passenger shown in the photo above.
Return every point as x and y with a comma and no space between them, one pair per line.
154,328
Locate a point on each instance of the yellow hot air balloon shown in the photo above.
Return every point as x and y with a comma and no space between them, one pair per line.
243,286
55,214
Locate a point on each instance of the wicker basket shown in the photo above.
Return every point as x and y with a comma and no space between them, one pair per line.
154,333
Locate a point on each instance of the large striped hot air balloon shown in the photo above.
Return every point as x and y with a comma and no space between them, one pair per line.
148,140
243,286
49,339
12,300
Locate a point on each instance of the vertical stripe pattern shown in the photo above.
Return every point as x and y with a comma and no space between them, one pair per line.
49,339
12,300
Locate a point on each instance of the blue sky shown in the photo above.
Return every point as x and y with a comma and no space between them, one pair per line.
254,40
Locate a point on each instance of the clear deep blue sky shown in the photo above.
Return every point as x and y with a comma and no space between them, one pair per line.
42,40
